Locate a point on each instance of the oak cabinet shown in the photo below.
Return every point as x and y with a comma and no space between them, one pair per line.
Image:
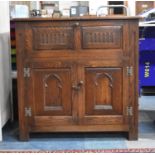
77,75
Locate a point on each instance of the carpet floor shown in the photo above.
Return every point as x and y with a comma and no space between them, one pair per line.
143,150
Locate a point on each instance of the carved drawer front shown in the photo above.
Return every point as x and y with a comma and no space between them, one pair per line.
52,92
102,37
46,38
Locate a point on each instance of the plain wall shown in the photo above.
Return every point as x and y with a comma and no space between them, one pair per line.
5,67
132,7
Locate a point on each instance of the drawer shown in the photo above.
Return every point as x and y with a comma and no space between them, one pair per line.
53,38
102,37
49,36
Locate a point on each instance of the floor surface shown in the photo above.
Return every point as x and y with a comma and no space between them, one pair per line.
76,141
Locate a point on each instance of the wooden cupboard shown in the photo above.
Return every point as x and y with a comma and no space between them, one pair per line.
77,75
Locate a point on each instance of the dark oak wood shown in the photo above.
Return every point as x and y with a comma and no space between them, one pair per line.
81,75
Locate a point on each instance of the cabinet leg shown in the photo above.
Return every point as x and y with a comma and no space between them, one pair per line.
132,135
24,136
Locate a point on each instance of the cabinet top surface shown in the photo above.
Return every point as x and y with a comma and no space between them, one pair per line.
76,18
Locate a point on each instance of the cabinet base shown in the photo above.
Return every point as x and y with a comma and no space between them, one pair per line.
24,137
130,136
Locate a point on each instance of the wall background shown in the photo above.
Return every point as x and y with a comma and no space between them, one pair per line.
5,68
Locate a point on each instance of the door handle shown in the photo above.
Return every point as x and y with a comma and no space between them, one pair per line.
76,24
78,86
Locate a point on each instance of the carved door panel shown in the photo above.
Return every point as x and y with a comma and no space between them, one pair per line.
53,102
105,98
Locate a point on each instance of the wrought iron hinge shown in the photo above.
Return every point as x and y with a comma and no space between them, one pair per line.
130,71
28,112
129,110
26,72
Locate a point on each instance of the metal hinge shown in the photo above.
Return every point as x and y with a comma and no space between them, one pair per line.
130,71
28,112
129,110
26,72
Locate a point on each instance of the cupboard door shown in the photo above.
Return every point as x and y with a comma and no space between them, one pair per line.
105,96
53,102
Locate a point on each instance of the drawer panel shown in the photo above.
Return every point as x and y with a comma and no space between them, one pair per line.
47,38
102,37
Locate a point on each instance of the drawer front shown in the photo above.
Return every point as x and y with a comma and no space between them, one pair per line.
102,37
43,37
48,38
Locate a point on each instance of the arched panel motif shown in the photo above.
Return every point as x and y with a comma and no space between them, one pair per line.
52,84
103,84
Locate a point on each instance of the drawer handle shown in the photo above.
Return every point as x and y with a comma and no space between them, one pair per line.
76,24
78,86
